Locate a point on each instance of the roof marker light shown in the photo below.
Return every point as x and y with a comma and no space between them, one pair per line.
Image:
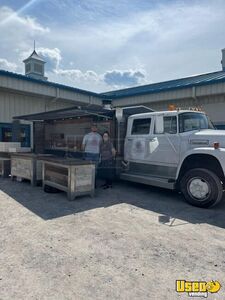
216,145
171,107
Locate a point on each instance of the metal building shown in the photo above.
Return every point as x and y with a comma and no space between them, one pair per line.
32,93
206,91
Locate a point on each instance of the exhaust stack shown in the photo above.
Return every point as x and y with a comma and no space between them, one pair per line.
223,59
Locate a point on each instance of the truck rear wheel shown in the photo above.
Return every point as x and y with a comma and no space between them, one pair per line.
201,187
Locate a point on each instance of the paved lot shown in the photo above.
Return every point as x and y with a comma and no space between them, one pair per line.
114,246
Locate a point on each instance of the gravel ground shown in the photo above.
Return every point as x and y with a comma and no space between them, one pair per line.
114,246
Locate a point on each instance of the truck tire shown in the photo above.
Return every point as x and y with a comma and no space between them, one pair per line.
201,187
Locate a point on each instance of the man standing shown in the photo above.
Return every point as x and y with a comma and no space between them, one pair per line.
91,145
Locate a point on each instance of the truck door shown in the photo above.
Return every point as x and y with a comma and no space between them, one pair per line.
164,147
151,153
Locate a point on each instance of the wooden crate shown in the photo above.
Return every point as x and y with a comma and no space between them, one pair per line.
73,176
27,166
4,166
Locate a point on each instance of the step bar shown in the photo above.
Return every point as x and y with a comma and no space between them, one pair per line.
154,181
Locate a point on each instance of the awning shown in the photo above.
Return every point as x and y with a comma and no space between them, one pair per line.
138,109
83,111
67,113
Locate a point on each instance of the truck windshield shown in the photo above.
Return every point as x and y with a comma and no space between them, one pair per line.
194,121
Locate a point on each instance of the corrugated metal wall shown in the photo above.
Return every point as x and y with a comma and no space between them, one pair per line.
178,94
214,106
36,88
210,97
14,105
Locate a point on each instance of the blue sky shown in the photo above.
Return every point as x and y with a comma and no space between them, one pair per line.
102,45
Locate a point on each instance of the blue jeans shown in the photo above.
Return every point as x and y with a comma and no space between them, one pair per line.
93,157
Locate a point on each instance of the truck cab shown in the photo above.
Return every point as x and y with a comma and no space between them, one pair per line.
177,149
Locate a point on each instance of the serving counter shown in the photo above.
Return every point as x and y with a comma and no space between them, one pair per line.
27,166
74,176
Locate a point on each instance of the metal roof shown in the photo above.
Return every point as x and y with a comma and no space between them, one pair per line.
49,83
138,109
34,55
196,80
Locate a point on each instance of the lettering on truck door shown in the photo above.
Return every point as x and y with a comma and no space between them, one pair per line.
137,145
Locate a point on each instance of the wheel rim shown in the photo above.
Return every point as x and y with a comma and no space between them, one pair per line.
198,188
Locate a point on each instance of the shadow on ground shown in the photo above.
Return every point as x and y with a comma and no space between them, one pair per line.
169,204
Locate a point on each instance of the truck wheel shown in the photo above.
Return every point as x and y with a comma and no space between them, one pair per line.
201,187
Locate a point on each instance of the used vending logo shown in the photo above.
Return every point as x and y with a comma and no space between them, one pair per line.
197,288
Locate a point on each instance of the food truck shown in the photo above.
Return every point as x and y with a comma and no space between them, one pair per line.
175,149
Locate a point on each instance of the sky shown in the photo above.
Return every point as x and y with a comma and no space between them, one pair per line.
102,45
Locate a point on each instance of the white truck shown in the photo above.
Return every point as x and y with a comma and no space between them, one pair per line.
177,149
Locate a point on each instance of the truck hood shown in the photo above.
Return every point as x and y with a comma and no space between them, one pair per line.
207,137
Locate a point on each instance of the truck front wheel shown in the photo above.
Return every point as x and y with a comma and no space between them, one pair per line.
201,187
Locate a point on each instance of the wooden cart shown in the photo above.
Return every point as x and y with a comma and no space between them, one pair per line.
74,176
27,166
4,166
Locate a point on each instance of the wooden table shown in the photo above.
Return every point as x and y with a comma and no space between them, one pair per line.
27,166
4,166
74,176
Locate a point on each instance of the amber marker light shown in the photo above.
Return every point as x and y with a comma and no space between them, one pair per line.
171,107
216,145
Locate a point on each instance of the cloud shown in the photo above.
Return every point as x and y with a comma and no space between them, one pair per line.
89,78
170,40
75,75
6,65
131,43
17,33
8,16
98,81
118,78
52,56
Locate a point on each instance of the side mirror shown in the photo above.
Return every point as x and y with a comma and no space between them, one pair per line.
159,124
